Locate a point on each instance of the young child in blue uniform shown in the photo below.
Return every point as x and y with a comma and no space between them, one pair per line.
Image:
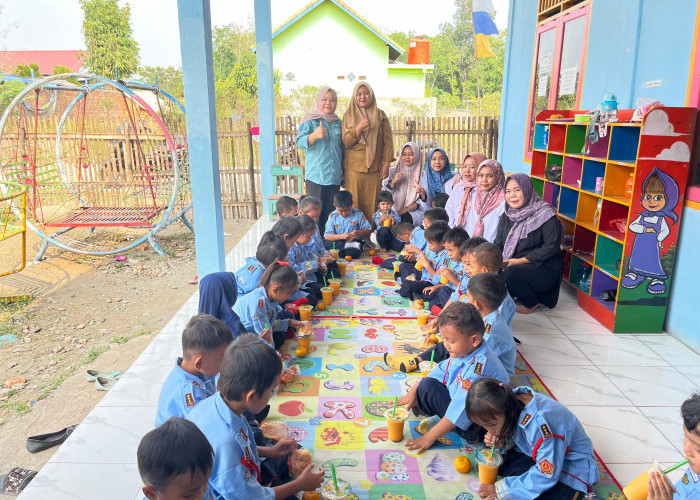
346,228
433,261
304,263
385,235
270,249
688,486
311,206
288,228
175,461
486,292
404,231
454,270
249,374
192,380
439,200
417,242
487,258
286,205
260,309
441,395
547,453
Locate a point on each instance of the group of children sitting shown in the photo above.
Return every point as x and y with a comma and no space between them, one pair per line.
208,444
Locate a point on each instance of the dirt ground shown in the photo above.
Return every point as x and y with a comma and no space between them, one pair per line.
86,312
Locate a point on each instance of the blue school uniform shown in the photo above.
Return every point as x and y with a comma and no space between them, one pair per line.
499,337
417,239
248,276
460,294
438,260
458,270
459,373
549,433
315,246
180,393
302,261
355,221
688,486
256,309
235,473
392,213
507,309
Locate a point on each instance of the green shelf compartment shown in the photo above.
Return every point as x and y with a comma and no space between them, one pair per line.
608,254
538,185
575,139
578,270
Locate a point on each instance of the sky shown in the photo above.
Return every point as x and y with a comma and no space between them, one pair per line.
57,24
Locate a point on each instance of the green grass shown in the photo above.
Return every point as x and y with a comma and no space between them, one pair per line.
17,407
45,391
93,354
127,338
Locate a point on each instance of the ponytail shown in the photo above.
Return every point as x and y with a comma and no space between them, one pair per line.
281,273
488,398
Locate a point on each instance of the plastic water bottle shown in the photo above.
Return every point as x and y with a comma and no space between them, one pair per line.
545,137
629,187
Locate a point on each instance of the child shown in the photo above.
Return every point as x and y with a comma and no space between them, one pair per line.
311,206
441,395
260,309
417,242
346,227
250,372
486,292
303,262
440,200
204,341
404,230
270,249
454,270
175,461
547,453
385,234
487,258
289,229
218,293
432,262
286,205
689,485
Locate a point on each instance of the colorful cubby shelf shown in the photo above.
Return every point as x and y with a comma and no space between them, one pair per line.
620,204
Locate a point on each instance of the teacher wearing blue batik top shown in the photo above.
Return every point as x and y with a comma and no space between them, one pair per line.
321,138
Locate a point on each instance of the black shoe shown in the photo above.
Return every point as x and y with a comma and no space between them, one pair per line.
42,442
517,341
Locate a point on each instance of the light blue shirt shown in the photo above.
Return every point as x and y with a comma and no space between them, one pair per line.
688,486
460,294
507,308
315,246
181,392
248,276
256,310
418,240
232,439
302,261
438,260
458,269
499,337
324,158
392,213
355,221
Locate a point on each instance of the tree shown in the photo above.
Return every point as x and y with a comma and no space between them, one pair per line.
109,38
169,79
25,70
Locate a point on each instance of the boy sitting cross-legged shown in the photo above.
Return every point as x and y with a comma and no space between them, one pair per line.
250,373
204,341
175,462
347,227
386,220
442,394
427,281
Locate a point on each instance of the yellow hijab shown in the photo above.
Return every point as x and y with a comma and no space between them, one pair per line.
354,114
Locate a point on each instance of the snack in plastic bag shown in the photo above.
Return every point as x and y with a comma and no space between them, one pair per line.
299,460
274,429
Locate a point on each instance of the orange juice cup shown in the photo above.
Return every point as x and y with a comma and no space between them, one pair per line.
328,491
423,317
304,341
444,280
395,423
327,295
335,285
334,253
305,312
419,266
638,489
342,267
396,265
425,368
387,223
488,469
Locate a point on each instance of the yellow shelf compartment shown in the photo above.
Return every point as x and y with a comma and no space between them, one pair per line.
585,214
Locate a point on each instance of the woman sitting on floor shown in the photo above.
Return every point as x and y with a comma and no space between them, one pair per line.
404,185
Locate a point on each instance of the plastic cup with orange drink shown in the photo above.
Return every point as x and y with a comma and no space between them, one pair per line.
342,267
423,317
387,223
419,266
327,295
396,266
444,280
488,465
335,285
638,489
334,253
395,423
425,368
305,312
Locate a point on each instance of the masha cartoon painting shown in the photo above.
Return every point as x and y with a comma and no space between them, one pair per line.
659,199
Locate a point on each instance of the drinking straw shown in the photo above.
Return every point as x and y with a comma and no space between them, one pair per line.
335,479
492,447
674,467
334,245
333,277
396,399
432,356
325,282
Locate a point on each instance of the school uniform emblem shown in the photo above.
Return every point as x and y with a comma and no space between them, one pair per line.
241,280
685,478
194,382
525,419
488,328
189,399
545,431
261,303
251,268
546,467
466,384
479,368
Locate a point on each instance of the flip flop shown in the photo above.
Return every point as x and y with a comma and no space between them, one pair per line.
104,384
16,480
42,442
92,375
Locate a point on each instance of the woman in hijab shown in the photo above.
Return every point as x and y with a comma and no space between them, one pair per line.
217,295
488,204
529,235
404,182
369,148
437,173
461,190
320,136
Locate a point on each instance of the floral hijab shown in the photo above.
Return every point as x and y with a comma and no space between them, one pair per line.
405,193
488,201
436,180
469,187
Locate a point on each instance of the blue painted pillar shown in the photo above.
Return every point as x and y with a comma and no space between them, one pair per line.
198,77
266,95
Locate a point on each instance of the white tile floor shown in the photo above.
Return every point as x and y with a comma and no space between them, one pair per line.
625,389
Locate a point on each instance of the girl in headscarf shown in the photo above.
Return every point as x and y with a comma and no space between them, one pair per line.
529,235
437,173
218,293
320,136
369,147
488,204
404,182
461,190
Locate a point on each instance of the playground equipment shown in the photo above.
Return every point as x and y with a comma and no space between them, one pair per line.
78,180
13,210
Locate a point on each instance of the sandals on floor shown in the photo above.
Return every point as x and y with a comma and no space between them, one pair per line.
16,480
104,384
92,375
42,442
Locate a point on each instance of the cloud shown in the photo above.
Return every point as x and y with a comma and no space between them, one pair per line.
656,123
679,151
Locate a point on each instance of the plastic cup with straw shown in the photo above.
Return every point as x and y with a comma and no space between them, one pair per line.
432,359
335,478
396,400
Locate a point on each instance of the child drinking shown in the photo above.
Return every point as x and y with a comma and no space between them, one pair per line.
425,282
311,206
346,228
454,270
303,262
441,395
386,220
547,454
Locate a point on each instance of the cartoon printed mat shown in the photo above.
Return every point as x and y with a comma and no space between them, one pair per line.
335,406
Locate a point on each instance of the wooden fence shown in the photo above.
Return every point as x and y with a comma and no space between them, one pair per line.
112,151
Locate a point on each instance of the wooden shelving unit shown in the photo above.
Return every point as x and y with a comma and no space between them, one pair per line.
602,252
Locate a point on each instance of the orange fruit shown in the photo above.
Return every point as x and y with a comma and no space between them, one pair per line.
462,464
311,495
321,306
348,258
301,352
433,338
372,252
